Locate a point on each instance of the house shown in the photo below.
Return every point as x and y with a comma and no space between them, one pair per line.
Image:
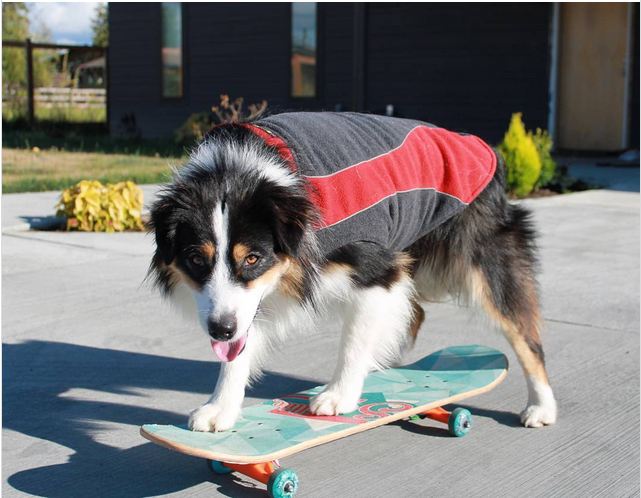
91,74
571,68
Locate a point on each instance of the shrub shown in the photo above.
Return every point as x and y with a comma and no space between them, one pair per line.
91,206
522,161
543,143
194,129
198,124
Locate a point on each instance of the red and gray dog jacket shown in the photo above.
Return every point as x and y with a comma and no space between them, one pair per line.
379,179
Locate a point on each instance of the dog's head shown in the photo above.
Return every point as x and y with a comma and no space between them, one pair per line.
229,226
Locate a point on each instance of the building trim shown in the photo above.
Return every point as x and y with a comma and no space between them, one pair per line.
625,135
555,25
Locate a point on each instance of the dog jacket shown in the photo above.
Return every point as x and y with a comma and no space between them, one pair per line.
379,179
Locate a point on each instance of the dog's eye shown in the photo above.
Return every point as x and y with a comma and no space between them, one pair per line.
196,260
252,259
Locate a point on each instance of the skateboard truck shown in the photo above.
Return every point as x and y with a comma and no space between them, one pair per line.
459,420
281,482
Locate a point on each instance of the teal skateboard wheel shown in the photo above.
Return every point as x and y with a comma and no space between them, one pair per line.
218,467
460,422
283,483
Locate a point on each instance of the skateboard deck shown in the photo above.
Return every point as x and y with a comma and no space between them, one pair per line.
281,427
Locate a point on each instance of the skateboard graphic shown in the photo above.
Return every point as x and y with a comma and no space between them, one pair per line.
280,427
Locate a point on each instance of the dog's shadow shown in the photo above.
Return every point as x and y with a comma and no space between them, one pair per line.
40,380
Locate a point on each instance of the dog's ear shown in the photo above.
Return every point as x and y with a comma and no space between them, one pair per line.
292,213
163,223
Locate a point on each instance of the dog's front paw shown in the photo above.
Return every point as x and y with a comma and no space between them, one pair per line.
213,417
539,415
331,402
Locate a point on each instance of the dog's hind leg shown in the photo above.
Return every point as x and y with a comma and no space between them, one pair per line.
521,328
502,281
379,322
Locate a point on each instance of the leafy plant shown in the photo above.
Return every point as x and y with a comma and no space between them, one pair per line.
522,161
198,124
543,143
91,206
194,129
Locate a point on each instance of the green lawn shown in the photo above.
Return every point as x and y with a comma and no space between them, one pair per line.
33,170
53,155
67,114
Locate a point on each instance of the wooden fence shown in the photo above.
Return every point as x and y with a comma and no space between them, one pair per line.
49,97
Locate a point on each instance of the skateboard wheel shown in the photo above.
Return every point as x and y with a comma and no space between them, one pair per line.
218,467
460,422
283,483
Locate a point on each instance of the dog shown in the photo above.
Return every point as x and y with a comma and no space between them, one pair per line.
273,226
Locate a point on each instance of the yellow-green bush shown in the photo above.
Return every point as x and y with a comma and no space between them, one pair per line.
91,206
522,161
543,142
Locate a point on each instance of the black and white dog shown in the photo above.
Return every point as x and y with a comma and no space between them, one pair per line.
275,224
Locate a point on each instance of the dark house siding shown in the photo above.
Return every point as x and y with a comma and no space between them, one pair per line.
240,49
466,67
135,71
336,48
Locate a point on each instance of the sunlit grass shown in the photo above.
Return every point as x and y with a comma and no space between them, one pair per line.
68,114
72,114
31,170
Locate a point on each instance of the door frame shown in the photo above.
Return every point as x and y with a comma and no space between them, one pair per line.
553,83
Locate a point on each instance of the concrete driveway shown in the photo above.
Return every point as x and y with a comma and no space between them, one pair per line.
90,354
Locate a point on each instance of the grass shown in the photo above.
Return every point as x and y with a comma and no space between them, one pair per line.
72,114
52,155
27,170
69,114
88,137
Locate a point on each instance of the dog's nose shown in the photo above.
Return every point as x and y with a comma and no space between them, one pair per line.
222,329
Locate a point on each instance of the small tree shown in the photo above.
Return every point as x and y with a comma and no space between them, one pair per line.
44,60
100,25
15,26
522,161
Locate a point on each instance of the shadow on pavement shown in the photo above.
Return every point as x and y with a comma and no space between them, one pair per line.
508,419
37,373
45,222
436,429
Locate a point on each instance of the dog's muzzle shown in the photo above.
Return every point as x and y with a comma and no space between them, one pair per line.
223,329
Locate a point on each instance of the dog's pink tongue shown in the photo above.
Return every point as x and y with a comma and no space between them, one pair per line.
228,351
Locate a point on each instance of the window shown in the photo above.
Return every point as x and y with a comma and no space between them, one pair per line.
172,56
303,49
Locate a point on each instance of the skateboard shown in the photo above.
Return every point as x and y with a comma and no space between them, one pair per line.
280,427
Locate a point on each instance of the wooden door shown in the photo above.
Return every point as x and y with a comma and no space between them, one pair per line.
592,76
